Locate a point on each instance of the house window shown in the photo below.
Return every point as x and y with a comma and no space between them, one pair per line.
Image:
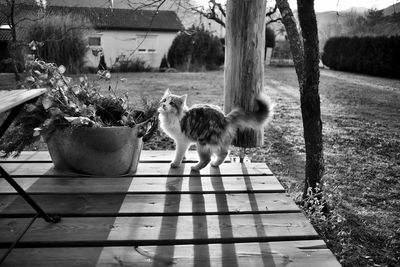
5,27
147,43
94,41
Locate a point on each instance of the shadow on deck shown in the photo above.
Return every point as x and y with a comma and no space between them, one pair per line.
235,215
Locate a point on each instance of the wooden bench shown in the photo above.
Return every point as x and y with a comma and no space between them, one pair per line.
14,101
12,98
235,215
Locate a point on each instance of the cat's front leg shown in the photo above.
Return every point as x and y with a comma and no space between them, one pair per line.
181,148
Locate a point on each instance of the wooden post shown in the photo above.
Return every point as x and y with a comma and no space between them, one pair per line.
244,61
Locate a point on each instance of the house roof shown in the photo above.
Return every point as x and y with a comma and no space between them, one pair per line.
125,19
110,18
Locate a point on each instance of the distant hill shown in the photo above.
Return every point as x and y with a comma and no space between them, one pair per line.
356,9
395,8
337,17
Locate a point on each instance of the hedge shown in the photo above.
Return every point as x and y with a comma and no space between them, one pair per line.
195,50
378,56
64,40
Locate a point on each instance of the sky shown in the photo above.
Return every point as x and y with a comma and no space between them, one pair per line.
339,5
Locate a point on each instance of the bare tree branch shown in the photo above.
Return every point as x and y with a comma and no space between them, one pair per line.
272,11
220,8
145,5
160,3
217,12
274,20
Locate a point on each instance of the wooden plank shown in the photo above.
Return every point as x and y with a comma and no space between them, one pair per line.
149,169
298,253
50,257
24,183
146,155
150,205
157,230
5,201
153,185
122,186
206,184
13,98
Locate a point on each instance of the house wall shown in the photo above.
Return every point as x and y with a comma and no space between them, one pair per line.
130,44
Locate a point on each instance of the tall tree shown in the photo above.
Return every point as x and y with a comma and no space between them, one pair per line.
244,61
11,11
306,59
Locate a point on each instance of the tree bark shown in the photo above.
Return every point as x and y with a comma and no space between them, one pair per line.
13,46
295,41
309,96
306,58
244,64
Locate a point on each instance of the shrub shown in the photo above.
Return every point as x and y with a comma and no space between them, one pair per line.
377,56
63,38
102,63
133,65
197,50
164,63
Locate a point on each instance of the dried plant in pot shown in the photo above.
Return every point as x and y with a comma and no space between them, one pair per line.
87,130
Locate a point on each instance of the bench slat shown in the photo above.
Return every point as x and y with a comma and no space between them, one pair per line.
302,253
148,169
157,230
151,204
13,98
145,185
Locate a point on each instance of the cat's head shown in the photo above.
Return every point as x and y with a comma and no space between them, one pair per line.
171,103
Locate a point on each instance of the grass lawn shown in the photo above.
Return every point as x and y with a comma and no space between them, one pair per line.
361,120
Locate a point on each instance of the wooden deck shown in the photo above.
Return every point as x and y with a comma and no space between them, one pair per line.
235,215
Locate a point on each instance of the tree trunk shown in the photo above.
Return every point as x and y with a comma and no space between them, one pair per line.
13,46
244,64
306,59
295,42
309,96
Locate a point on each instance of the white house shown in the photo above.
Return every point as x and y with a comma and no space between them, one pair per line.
126,34
119,34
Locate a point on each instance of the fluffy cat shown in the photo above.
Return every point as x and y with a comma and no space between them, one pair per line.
207,126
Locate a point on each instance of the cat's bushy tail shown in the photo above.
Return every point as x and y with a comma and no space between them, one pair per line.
240,119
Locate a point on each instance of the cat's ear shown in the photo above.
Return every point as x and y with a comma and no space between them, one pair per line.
183,98
167,93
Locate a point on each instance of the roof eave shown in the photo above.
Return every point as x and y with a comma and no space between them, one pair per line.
137,29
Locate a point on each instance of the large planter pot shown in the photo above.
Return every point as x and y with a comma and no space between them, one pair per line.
96,151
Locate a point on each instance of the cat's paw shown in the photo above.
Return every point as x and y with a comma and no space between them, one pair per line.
175,165
195,168
215,164
198,167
